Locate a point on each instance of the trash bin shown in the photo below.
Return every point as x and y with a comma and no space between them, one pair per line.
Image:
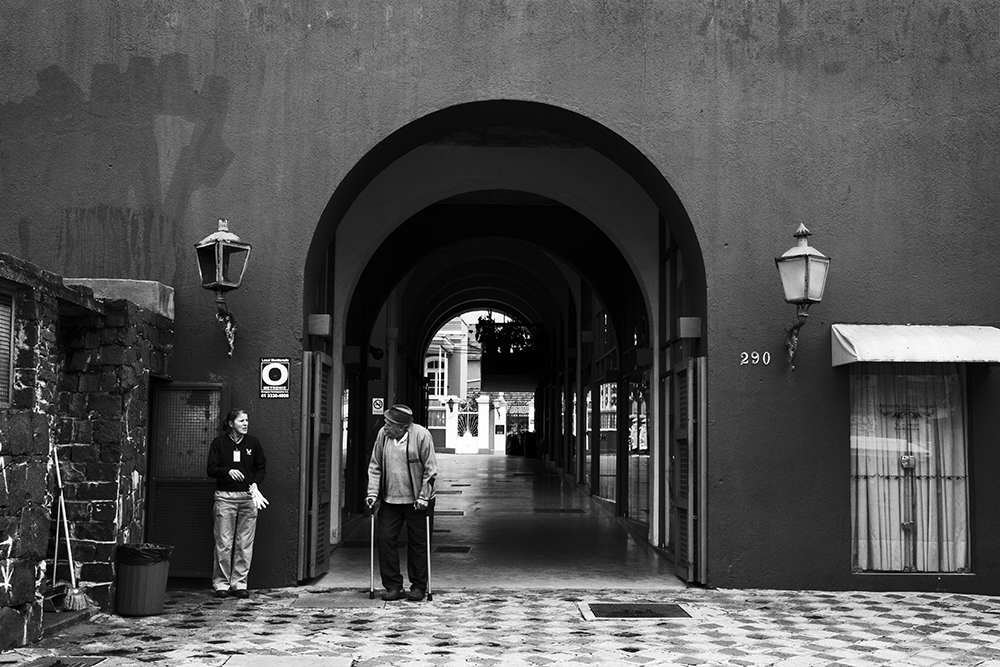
142,578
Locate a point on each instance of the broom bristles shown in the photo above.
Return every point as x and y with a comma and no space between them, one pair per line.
76,600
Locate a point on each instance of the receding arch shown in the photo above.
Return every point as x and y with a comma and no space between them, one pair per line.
590,252
509,113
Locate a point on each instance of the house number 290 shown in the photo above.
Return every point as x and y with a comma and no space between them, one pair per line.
754,358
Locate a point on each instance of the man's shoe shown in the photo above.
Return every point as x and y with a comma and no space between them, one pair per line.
241,593
221,593
394,594
416,594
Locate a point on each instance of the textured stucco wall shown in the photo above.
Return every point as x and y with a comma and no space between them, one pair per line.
127,129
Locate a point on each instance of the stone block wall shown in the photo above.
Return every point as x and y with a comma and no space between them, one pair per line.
81,377
26,489
100,433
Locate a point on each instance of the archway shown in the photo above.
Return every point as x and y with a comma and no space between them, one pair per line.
535,208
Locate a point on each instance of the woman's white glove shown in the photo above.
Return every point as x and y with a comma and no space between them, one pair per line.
259,501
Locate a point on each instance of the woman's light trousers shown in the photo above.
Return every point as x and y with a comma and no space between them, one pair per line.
235,526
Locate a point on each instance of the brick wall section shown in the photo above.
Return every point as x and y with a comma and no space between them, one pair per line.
80,385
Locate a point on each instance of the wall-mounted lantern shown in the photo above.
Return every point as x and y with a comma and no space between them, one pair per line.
222,260
451,405
803,271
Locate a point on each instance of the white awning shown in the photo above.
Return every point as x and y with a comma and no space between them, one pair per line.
920,343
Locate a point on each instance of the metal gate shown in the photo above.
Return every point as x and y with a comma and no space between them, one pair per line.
468,419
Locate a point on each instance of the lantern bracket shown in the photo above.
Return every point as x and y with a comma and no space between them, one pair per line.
226,319
792,329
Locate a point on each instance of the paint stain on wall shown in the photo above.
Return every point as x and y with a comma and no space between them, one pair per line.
100,184
89,236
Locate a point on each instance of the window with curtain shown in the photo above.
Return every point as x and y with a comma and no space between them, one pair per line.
909,468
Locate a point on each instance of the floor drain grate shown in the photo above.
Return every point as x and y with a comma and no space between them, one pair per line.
449,513
63,661
452,550
336,600
632,610
557,510
449,493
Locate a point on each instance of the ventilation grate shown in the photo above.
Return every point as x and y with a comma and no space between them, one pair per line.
557,510
632,610
449,493
449,513
452,550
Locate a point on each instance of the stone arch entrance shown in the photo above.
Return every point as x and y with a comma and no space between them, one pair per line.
539,209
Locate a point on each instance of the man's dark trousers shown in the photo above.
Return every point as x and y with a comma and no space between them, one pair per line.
391,519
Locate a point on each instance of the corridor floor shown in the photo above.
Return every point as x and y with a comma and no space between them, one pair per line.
524,527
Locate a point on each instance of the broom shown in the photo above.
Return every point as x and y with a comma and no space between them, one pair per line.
76,599
55,556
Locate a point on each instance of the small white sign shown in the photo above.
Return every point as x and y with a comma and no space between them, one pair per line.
274,374
378,406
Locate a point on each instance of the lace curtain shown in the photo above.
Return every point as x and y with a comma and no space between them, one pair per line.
909,476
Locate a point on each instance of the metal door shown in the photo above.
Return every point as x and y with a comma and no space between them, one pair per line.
185,418
688,485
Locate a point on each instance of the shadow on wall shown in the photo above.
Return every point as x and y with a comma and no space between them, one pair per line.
99,185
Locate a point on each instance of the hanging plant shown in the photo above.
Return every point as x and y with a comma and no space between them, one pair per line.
504,337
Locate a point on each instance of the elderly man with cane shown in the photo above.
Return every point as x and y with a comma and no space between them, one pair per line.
401,478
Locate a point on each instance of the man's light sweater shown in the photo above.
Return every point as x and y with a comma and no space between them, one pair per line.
399,489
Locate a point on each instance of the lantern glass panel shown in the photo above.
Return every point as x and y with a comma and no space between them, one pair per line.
818,268
206,266
793,278
233,263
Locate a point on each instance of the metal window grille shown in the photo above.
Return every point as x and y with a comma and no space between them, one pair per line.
186,420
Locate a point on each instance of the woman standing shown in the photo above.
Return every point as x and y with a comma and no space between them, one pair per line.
236,461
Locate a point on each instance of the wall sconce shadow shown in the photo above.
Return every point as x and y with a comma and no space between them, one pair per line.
803,270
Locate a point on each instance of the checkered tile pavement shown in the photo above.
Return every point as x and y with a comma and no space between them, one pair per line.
541,628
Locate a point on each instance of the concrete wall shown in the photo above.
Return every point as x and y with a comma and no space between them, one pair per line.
128,129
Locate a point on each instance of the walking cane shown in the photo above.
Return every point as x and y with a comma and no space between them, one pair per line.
371,580
430,595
